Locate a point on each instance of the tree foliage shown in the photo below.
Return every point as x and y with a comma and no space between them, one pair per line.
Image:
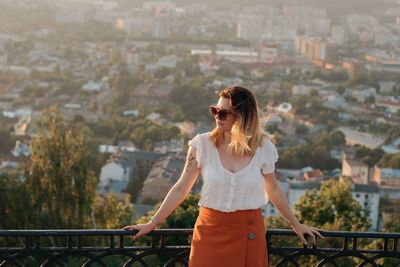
193,99
369,156
6,141
184,216
390,161
15,210
141,131
316,153
332,208
56,188
109,213
58,178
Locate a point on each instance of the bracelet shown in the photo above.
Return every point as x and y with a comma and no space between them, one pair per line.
155,221
292,223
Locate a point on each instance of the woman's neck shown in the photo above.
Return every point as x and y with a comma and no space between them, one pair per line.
226,138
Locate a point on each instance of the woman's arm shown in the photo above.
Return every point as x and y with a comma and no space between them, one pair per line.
280,201
175,196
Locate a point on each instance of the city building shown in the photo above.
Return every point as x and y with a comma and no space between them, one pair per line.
391,104
163,176
365,139
123,167
367,195
268,52
387,177
357,170
338,35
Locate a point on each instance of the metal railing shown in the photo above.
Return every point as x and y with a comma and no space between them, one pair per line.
171,247
337,249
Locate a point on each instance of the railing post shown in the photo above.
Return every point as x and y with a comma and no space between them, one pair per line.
111,241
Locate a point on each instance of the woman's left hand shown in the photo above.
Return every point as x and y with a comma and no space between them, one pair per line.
301,229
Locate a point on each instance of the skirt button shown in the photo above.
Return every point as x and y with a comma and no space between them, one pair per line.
251,236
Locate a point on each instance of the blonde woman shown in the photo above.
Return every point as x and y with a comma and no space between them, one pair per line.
237,162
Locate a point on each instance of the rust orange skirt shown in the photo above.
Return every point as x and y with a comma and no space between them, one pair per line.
234,239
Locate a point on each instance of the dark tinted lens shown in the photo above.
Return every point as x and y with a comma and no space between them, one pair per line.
222,115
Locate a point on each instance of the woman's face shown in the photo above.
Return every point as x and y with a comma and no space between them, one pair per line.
225,125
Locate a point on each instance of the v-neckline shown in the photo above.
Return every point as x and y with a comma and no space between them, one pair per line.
231,172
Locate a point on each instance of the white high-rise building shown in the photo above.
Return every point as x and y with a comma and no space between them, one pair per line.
322,25
133,58
268,52
161,27
338,35
250,27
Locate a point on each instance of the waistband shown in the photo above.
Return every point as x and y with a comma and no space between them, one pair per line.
238,213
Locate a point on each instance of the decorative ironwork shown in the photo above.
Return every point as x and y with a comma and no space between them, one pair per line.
171,247
93,248
338,249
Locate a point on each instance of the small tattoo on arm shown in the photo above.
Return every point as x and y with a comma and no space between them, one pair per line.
190,161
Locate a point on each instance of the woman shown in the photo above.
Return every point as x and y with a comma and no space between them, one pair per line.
237,163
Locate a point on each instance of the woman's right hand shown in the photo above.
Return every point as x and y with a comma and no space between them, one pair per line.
142,228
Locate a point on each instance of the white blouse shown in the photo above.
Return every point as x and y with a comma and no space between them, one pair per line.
229,191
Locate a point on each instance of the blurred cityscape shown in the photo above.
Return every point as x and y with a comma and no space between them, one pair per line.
137,77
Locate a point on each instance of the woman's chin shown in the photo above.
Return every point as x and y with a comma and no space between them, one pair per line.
222,128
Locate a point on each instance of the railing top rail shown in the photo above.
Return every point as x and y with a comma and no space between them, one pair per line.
177,231
77,232
286,232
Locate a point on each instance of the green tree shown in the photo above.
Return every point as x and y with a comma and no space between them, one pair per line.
192,99
58,178
332,208
390,161
392,225
369,156
109,213
301,129
277,222
315,153
145,133
6,141
340,89
300,103
15,208
184,216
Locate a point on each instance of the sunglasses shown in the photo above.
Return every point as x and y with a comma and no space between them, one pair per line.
222,113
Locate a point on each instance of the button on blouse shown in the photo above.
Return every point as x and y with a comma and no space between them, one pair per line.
229,191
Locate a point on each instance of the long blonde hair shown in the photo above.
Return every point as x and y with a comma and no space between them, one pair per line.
247,132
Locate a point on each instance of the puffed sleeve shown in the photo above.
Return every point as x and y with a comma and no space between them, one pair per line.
196,143
269,157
